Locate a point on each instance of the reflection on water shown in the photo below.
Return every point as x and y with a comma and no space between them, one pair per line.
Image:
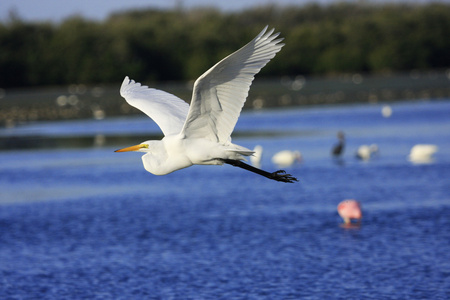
351,225
101,140
55,142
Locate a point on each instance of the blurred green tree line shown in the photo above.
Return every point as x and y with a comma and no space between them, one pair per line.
160,45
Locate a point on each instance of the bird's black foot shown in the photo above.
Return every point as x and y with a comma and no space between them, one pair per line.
282,176
278,175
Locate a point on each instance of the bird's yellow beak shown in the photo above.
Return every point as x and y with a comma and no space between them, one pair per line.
133,148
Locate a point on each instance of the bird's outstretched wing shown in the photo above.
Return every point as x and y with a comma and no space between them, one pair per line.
219,94
167,110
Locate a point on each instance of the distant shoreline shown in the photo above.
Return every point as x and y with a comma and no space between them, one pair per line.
19,106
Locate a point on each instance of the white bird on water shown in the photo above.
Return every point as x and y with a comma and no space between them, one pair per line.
286,158
422,153
366,152
200,134
255,159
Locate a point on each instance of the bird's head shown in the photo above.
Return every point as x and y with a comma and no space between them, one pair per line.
138,148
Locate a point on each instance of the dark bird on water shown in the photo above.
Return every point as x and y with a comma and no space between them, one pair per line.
338,149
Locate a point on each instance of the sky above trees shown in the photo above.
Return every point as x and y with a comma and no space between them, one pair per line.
57,10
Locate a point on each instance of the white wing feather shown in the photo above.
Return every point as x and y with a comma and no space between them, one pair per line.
167,110
220,93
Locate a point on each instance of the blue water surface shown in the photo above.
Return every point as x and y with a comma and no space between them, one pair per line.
89,223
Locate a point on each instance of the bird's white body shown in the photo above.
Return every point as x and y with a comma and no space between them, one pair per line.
176,152
200,133
386,111
422,153
366,152
286,158
255,159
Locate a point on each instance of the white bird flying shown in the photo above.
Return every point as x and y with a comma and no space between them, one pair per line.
199,134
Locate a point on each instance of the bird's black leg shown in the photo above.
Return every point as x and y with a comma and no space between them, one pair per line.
279,175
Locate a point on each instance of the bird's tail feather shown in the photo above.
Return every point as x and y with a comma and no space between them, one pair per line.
241,150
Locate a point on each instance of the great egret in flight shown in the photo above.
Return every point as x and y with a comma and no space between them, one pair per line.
199,134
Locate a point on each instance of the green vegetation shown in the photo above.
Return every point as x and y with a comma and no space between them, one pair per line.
154,45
